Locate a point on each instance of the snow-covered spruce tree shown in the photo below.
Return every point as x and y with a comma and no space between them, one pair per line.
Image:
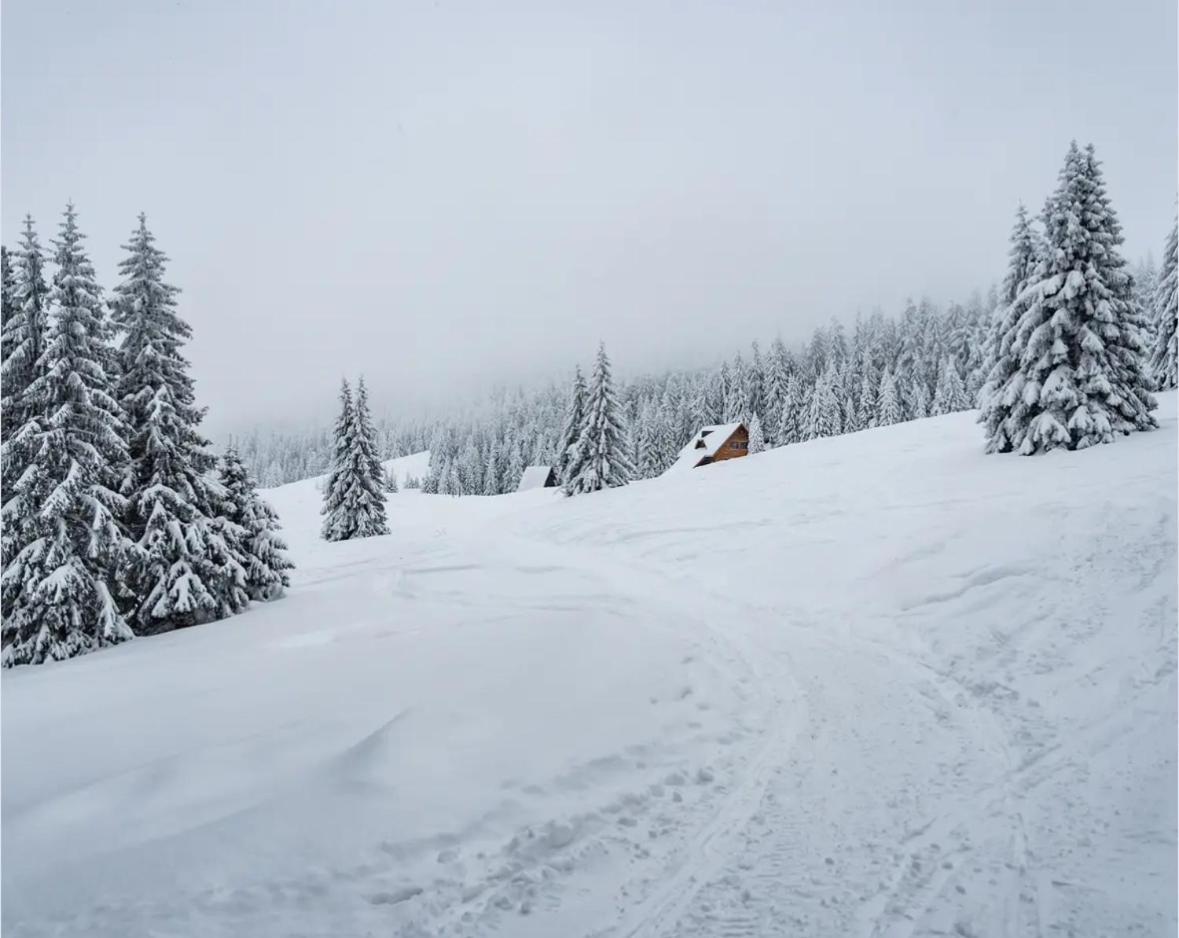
26,324
492,473
60,587
22,342
1000,399
390,481
365,496
775,389
574,424
867,405
736,406
185,571
266,561
373,517
7,287
788,429
1145,282
338,524
599,457
888,407
823,417
918,399
950,396
757,439
1079,379
850,413
1163,361
514,470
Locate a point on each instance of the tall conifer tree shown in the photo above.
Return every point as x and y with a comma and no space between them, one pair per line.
186,571
1163,361
22,342
599,458
1079,378
61,585
266,560
354,502
574,421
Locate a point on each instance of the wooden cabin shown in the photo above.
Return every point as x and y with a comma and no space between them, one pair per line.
537,477
714,444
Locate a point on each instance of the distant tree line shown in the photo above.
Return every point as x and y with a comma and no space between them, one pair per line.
117,519
882,370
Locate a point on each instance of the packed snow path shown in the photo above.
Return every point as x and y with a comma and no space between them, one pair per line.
877,685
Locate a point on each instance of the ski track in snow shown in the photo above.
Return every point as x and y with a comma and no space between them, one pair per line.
877,686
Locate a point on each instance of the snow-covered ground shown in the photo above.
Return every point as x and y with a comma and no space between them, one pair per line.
877,685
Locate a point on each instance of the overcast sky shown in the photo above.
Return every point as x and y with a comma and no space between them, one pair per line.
452,194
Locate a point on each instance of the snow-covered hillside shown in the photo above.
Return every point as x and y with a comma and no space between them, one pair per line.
874,685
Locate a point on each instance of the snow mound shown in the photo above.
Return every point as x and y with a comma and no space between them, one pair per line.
879,684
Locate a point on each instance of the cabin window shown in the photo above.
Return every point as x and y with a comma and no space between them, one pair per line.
737,444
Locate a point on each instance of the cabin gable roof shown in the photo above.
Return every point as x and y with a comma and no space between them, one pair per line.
705,445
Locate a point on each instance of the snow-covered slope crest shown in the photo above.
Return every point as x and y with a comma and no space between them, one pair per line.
875,685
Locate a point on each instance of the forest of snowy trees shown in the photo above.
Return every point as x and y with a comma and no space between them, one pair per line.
926,362
117,519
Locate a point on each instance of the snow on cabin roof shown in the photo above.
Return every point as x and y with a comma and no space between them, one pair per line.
534,477
705,443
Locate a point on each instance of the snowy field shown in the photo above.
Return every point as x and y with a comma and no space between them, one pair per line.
874,685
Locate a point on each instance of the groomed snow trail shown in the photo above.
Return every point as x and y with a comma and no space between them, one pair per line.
878,686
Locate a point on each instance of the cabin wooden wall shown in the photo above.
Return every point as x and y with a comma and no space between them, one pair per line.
740,438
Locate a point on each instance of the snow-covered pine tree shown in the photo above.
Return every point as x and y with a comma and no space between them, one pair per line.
266,561
1145,282
25,328
368,498
1080,374
789,425
823,417
775,389
648,461
7,287
452,483
514,470
600,459
950,396
22,343
755,382
185,570
736,406
492,473
757,439
1001,403
338,524
574,424
888,407
850,414
918,400
1163,361
60,586
867,405
717,395
390,481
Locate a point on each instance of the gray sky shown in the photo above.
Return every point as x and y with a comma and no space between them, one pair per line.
449,193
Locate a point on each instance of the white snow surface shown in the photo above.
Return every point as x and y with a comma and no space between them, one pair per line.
416,465
877,685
